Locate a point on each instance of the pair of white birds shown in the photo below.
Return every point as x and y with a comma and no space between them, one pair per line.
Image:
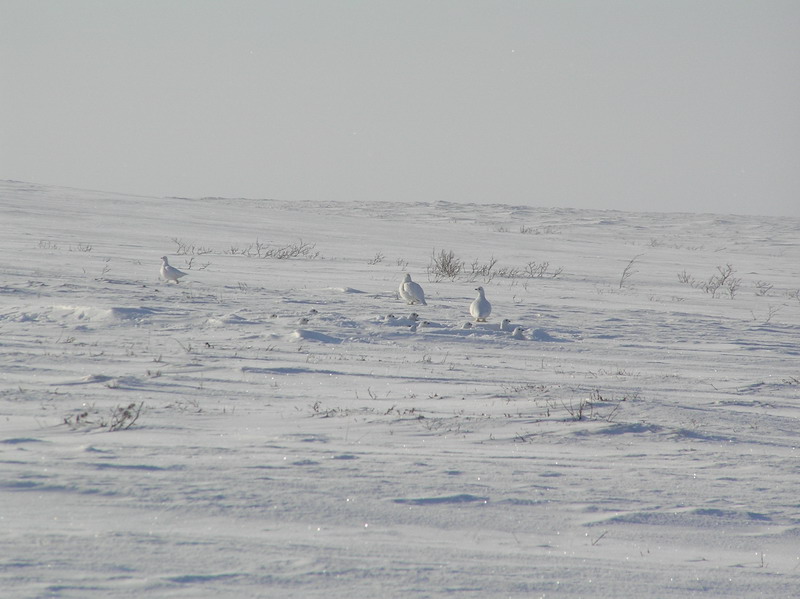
412,293
480,308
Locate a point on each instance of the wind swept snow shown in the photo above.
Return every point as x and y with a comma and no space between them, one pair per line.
278,425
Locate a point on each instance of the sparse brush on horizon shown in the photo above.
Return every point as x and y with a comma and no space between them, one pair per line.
446,265
257,249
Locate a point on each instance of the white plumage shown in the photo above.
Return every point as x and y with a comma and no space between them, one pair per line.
480,308
506,325
518,333
170,273
411,292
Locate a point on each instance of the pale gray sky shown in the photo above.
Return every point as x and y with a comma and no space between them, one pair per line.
665,105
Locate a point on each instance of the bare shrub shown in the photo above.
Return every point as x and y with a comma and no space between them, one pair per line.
236,250
259,249
120,418
583,409
771,311
538,270
444,265
485,271
186,248
545,230
300,249
723,280
628,271
763,288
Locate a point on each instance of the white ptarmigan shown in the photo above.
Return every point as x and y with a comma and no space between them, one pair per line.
170,273
480,308
411,292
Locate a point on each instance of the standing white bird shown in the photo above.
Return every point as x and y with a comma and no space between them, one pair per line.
480,308
411,291
170,273
518,333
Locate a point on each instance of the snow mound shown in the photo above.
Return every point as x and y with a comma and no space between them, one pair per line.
344,290
305,335
230,319
93,313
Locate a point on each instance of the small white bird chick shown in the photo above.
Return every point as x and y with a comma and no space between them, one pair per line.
480,308
170,273
518,333
506,325
411,292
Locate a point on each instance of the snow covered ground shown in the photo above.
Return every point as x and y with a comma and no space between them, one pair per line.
265,428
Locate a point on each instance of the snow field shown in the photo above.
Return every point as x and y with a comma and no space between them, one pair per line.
294,440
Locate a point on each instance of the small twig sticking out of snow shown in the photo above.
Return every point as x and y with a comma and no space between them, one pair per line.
763,288
628,271
771,311
187,348
124,418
